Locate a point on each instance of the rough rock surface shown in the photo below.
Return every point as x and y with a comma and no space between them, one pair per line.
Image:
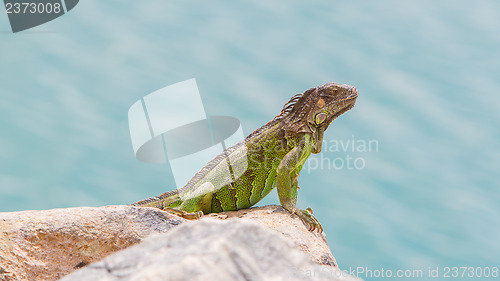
46,245
278,219
210,249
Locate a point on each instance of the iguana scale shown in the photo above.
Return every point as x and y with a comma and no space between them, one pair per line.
271,156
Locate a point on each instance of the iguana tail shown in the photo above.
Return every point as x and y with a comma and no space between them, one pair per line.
170,199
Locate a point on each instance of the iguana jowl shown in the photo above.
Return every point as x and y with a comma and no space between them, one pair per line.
272,156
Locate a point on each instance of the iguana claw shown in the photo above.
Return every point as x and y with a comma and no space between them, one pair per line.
309,220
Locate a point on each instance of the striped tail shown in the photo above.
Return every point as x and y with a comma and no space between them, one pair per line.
168,199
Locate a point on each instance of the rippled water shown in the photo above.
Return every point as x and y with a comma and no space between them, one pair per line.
424,194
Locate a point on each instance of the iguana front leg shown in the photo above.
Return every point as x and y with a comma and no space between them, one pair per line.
294,176
286,183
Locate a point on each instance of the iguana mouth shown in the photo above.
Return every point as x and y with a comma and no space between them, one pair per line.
345,109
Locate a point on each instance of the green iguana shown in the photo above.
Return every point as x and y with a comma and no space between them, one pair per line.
271,156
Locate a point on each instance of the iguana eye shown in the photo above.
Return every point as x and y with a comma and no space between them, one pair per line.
319,118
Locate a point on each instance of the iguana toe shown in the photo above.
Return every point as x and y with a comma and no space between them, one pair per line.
309,220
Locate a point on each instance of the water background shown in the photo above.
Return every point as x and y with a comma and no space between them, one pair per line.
427,72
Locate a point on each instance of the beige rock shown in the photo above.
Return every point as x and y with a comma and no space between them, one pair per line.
47,245
211,249
291,227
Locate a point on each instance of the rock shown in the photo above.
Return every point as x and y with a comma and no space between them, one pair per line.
46,245
210,249
291,227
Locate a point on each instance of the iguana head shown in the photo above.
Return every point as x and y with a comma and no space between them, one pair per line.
312,111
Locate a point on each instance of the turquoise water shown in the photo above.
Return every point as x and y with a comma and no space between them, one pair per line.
407,180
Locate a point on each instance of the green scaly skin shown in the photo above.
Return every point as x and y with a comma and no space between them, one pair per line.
272,156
